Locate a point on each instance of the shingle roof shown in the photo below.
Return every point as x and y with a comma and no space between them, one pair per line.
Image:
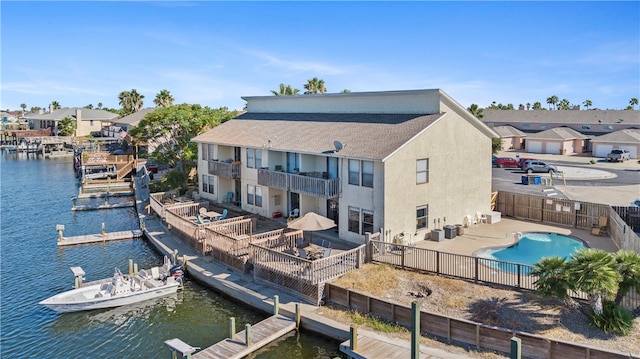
509,131
134,118
571,116
627,136
557,133
367,136
86,114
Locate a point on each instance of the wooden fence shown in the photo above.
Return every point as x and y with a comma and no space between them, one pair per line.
466,331
300,277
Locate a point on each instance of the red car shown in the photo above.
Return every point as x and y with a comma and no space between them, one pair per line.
506,162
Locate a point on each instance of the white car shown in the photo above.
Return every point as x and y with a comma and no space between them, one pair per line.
635,203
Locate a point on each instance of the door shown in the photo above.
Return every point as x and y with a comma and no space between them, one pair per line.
534,146
294,201
293,161
333,209
332,167
238,195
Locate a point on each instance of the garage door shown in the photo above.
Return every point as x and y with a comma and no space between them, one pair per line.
601,150
534,146
553,148
633,150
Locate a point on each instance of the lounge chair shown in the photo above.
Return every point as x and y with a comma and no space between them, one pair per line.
601,229
302,253
481,217
224,215
326,253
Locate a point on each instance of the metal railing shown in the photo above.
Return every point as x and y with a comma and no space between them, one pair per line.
224,169
313,186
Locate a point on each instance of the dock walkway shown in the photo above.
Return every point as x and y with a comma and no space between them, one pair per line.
262,334
378,347
95,238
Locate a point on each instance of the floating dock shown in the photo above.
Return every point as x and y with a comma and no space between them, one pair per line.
369,347
104,194
99,238
262,334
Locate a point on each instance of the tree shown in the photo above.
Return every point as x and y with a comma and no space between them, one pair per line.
528,106
163,99
67,126
285,91
552,101
172,128
564,104
89,106
587,104
131,101
346,91
595,273
314,86
552,277
24,107
633,102
496,145
475,110
55,105
628,263
99,105
537,106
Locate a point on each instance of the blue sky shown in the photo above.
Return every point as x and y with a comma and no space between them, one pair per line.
212,53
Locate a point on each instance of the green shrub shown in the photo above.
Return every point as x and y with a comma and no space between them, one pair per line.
613,319
593,162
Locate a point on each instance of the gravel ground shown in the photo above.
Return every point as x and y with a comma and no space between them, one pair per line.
521,310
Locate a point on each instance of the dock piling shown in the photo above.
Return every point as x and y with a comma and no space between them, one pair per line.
104,232
247,334
354,337
232,328
130,266
298,314
60,229
516,348
276,304
135,268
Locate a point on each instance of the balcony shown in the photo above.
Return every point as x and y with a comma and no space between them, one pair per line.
309,184
224,169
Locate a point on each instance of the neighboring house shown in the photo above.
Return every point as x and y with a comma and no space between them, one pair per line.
400,162
557,141
588,122
619,140
87,120
511,137
121,126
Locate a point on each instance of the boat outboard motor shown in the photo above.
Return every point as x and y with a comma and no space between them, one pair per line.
176,270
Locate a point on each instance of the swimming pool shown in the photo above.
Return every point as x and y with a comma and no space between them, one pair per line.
531,248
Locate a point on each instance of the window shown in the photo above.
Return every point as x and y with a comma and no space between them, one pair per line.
367,174
586,127
354,172
367,222
608,127
205,151
422,217
251,157
258,196
251,194
354,220
207,184
258,158
422,171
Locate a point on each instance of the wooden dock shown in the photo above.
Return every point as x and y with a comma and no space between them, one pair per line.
99,238
105,194
371,348
92,207
262,334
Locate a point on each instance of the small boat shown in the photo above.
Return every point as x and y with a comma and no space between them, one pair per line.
119,290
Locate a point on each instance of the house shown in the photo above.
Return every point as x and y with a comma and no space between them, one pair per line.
121,127
587,122
511,137
557,141
87,120
628,139
400,162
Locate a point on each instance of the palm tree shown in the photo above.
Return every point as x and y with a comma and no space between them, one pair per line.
475,110
629,268
595,273
55,105
314,86
633,102
553,280
587,103
553,100
131,101
537,105
99,105
285,91
528,106
163,99
24,107
564,104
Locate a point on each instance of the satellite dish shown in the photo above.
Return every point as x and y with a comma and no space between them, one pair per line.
338,145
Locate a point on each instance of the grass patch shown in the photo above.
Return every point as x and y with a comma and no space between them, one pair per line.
376,323
371,278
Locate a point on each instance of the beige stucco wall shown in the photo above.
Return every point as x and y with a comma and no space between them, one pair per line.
459,178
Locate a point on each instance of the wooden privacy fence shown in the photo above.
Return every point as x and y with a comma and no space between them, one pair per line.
466,331
301,277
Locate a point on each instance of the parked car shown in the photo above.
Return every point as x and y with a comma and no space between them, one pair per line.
493,160
635,203
538,166
522,161
502,162
151,167
618,155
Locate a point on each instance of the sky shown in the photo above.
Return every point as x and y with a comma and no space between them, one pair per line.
213,53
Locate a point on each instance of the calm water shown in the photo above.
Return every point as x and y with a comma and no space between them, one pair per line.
35,197
534,246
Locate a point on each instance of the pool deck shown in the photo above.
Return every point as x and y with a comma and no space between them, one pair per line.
502,234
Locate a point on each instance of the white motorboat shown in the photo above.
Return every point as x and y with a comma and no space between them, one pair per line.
118,290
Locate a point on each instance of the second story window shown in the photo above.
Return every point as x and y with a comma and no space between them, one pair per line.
258,159
361,173
367,174
422,171
254,158
354,172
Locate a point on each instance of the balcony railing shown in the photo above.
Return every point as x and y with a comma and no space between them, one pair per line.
307,185
224,169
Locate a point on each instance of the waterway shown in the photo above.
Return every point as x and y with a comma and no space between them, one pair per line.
35,197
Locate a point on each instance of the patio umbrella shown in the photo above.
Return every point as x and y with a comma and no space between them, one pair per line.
312,222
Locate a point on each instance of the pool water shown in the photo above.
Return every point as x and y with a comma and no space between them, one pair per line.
534,246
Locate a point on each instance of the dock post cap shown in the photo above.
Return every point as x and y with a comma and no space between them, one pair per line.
180,346
59,227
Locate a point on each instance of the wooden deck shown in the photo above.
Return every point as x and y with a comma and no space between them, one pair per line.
262,334
371,348
96,238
